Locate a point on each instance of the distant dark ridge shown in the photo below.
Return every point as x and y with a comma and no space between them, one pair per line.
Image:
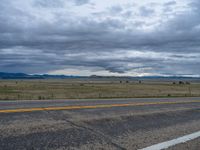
5,75
147,77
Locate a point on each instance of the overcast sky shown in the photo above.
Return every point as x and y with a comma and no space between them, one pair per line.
103,37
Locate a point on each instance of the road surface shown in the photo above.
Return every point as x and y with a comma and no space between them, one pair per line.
124,124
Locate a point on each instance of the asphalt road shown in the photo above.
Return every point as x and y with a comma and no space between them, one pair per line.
98,124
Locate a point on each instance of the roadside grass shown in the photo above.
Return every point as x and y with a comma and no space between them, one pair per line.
88,89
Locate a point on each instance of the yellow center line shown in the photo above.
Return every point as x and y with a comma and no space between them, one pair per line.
93,106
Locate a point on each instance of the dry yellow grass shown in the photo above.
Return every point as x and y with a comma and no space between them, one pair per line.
80,89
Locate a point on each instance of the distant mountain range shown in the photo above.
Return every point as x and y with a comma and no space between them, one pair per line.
5,75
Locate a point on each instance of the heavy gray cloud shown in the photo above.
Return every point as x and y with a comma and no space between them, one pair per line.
122,38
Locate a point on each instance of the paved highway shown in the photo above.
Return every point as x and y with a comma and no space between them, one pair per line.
124,124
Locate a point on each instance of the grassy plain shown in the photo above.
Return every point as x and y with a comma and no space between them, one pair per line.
86,89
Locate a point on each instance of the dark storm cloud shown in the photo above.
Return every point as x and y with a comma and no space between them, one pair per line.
146,11
170,3
116,9
57,3
34,40
80,2
48,3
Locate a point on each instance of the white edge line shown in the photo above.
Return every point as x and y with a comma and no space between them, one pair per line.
167,144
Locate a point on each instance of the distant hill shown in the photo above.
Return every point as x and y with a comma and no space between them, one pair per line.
147,77
5,75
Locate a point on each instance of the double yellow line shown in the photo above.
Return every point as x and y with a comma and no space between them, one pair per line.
92,106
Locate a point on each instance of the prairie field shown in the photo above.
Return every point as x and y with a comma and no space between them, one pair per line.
88,89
